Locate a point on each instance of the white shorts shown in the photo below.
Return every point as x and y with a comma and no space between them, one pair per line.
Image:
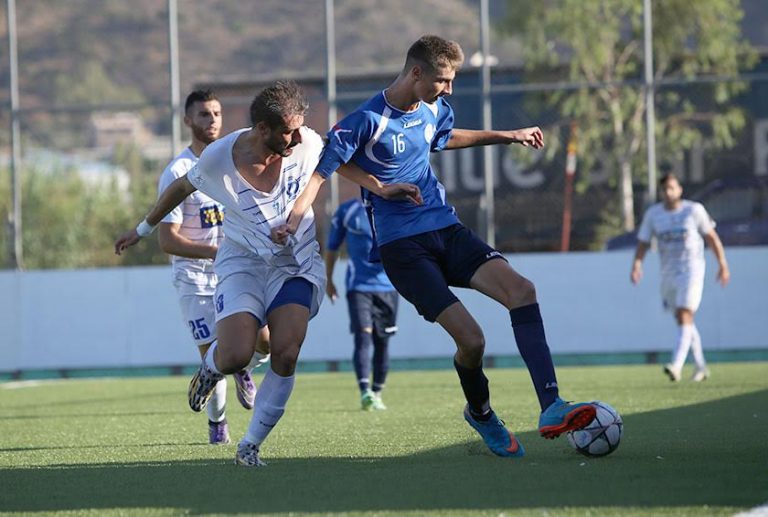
248,283
682,292
199,316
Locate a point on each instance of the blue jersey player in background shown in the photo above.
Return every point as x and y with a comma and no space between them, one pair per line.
384,146
371,299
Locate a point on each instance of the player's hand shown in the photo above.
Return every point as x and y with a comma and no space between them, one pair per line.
125,241
280,234
402,191
529,137
330,290
723,275
636,275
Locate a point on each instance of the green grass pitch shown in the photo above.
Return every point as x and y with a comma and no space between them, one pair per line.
132,447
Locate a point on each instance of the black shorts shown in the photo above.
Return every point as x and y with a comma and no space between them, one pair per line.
423,266
376,310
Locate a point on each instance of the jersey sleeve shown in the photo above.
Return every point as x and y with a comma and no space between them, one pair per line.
344,139
169,175
338,231
444,127
704,223
646,229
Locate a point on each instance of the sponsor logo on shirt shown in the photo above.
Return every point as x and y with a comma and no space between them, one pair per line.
211,216
412,123
292,187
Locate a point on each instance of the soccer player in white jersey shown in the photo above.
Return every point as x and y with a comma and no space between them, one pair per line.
256,173
681,227
424,247
191,234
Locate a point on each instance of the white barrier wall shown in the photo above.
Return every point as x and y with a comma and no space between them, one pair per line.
125,317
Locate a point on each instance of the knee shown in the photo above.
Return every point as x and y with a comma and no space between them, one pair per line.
285,355
471,344
520,293
231,359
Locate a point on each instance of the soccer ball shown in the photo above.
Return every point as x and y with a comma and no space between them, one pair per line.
600,437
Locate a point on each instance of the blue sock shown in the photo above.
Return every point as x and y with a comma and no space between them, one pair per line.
529,334
362,359
475,386
380,361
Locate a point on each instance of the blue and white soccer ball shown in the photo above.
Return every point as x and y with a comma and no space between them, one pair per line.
602,435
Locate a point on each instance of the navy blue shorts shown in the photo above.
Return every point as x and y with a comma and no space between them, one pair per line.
295,290
375,310
423,266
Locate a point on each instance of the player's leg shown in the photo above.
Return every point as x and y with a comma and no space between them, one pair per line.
360,307
230,353
199,315
495,278
287,316
384,316
412,266
690,297
245,387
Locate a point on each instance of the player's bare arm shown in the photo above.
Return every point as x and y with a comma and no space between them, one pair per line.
168,200
723,272
331,256
527,137
174,243
637,263
392,191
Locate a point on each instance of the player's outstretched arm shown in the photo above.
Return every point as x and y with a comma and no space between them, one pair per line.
714,242
168,200
527,137
392,191
637,263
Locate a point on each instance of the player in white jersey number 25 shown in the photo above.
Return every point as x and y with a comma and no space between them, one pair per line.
256,173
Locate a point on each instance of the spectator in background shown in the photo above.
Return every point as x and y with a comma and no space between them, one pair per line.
681,227
371,299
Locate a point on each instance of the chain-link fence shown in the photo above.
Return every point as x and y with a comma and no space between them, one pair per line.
96,126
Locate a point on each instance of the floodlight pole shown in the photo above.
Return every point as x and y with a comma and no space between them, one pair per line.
330,83
173,71
650,108
14,217
485,76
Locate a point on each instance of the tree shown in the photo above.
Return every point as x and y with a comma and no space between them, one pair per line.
599,44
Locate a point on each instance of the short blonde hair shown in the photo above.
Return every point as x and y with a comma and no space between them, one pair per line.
434,52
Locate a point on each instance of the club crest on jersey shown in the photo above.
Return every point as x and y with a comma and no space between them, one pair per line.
211,216
292,187
429,132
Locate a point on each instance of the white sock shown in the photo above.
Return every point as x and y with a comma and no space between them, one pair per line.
271,398
257,360
697,350
208,359
215,406
684,338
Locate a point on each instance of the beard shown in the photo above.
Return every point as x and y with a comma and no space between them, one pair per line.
201,134
280,148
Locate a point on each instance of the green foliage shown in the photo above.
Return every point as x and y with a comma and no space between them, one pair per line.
68,222
600,44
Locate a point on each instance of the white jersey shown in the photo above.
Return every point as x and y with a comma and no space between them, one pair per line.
200,218
251,213
679,236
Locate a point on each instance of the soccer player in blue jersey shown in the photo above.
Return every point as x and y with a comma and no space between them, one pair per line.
371,299
385,145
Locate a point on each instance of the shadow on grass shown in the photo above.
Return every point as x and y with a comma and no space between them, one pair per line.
706,454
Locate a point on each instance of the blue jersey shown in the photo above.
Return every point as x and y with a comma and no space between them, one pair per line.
394,146
350,222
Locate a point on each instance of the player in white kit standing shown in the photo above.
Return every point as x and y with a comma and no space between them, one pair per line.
191,234
681,227
256,173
